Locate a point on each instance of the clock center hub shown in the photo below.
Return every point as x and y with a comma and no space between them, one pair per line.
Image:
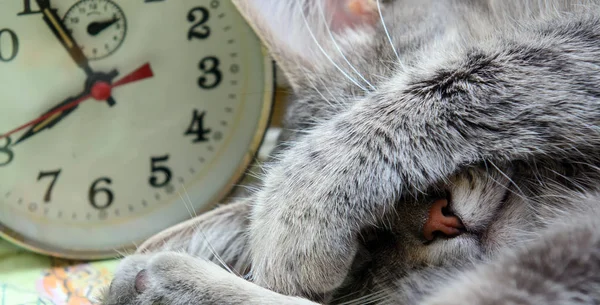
101,91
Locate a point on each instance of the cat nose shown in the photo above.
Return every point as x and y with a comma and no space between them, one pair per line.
441,222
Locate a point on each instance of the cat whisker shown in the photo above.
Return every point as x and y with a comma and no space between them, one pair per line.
520,194
201,232
217,256
576,184
120,253
328,28
339,103
189,200
321,94
389,37
185,204
346,296
368,299
312,35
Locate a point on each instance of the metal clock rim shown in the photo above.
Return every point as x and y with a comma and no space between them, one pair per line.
264,122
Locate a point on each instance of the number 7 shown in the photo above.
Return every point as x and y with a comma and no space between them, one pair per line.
51,186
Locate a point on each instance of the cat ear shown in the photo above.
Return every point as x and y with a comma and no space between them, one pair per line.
298,33
218,235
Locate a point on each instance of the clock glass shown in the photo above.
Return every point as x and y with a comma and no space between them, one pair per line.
116,112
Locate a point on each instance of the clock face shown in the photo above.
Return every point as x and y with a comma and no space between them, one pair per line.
120,118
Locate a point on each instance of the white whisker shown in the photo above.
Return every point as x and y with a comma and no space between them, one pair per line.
214,252
121,254
340,50
185,204
520,194
197,229
367,299
312,35
387,33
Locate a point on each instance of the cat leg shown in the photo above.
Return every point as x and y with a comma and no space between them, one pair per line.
195,262
218,236
174,278
529,95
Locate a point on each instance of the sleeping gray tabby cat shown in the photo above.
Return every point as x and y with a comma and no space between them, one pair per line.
435,152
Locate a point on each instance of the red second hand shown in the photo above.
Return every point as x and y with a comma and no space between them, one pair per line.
99,90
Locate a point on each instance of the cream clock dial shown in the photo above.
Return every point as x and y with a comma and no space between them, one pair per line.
114,112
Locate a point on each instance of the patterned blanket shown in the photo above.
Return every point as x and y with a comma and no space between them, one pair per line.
27,278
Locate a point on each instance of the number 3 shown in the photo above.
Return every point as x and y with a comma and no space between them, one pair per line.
210,66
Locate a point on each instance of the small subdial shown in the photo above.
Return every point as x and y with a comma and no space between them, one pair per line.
99,26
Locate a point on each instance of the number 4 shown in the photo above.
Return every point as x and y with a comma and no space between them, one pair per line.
196,127
53,174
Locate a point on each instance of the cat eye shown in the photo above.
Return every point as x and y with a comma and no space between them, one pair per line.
441,222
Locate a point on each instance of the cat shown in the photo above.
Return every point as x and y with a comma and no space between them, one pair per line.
434,152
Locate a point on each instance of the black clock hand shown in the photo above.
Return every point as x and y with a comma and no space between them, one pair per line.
54,116
52,120
64,36
96,27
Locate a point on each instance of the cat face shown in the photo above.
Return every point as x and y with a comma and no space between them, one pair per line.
471,217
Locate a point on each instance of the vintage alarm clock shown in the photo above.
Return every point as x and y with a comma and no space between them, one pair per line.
113,112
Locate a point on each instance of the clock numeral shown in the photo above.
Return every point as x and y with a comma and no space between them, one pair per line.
12,49
158,168
27,9
210,66
198,29
5,150
54,175
197,127
95,190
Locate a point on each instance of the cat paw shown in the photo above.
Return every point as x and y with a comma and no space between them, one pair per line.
173,278
306,219
163,278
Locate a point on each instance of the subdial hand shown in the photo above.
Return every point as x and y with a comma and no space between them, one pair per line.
99,91
97,27
64,36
